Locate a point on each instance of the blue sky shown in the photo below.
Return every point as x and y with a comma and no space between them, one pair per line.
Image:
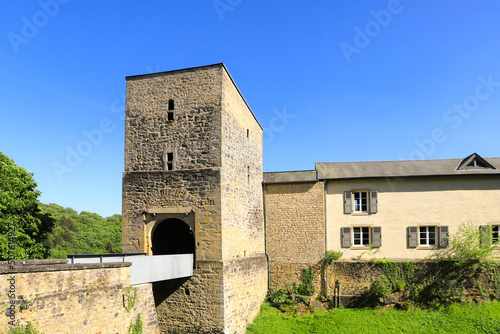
328,80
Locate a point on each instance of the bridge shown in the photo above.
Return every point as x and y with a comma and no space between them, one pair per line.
145,269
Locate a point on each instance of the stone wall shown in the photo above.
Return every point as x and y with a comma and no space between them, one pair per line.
193,136
245,266
214,187
192,305
295,218
196,190
74,298
245,288
241,177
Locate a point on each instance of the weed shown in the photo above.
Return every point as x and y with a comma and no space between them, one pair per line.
137,327
331,256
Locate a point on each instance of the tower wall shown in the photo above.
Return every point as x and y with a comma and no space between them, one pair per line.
195,165
243,248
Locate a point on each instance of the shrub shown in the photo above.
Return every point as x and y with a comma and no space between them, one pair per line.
283,298
470,244
307,286
381,288
332,256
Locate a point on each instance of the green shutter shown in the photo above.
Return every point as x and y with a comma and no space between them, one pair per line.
347,202
377,236
345,233
412,236
485,238
373,201
443,236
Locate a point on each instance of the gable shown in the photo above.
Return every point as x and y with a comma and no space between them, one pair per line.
474,162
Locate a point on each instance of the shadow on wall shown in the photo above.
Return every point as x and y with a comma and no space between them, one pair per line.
164,289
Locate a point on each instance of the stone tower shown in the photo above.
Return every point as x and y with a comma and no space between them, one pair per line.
192,184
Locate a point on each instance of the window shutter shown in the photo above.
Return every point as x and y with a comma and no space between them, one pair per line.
373,201
412,236
347,202
345,232
377,236
485,238
443,236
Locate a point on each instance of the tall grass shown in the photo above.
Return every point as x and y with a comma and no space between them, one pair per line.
457,318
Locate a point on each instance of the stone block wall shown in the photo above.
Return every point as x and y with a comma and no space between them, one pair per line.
245,288
198,190
215,181
193,136
74,298
192,305
245,265
295,218
241,176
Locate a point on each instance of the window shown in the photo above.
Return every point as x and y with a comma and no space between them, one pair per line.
360,201
495,230
490,234
494,234
361,236
427,236
170,161
170,113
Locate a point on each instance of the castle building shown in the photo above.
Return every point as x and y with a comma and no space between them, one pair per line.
193,183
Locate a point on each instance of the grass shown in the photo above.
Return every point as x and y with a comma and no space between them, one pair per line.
457,318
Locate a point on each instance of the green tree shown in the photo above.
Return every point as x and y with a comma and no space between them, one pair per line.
84,233
23,227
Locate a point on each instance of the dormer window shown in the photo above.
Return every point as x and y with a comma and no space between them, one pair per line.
474,162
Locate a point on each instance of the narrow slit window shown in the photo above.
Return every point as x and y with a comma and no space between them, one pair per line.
170,113
248,133
248,174
170,161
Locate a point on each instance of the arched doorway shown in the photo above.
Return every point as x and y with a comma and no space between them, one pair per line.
172,236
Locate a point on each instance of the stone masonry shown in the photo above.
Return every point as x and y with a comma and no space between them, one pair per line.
193,151
57,297
295,216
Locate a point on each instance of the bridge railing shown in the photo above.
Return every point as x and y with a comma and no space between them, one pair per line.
145,269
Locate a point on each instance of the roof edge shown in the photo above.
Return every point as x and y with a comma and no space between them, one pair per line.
173,71
241,95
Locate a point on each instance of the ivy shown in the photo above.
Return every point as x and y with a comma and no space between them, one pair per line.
137,327
129,299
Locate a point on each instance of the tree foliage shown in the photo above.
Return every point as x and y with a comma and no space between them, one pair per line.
84,233
23,227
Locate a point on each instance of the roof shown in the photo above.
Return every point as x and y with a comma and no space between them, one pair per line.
471,165
290,177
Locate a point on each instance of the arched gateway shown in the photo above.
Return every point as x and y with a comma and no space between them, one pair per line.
172,236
